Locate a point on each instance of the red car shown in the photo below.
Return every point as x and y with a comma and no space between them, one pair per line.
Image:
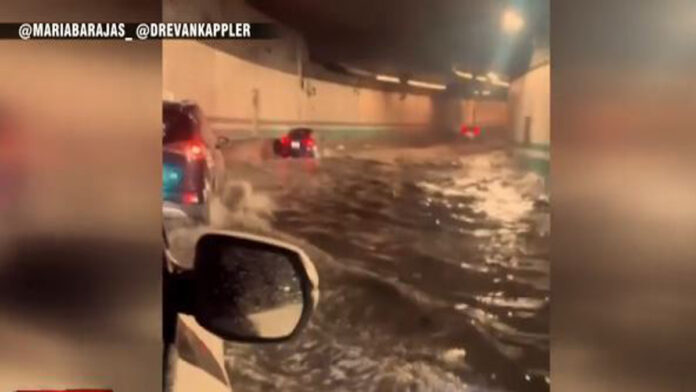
298,143
470,131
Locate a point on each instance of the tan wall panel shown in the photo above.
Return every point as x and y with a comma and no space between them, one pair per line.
224,85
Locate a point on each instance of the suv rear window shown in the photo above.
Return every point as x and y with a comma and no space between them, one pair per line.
178,125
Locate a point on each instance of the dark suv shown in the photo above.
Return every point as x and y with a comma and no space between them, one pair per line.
192,163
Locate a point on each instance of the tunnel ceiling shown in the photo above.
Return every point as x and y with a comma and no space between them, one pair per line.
417,37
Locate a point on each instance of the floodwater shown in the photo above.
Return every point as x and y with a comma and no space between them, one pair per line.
434,273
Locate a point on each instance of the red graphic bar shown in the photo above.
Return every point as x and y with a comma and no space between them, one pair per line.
64,390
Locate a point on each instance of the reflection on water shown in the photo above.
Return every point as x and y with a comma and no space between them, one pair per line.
435,275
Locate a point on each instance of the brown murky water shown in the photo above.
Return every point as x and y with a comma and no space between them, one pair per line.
434,274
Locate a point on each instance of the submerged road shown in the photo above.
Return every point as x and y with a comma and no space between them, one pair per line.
434,271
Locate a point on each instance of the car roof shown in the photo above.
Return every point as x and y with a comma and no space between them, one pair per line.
179,105
301,131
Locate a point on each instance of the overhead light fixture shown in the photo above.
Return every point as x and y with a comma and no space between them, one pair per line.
387,78
357,71
495,80
481,78
465,75
512,21
433,86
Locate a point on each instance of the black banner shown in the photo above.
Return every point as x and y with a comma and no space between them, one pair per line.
137,31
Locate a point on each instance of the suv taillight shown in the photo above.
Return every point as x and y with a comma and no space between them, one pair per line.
189,198
192,150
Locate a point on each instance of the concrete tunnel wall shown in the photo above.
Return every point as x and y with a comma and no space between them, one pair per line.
244,98
530,112
530,107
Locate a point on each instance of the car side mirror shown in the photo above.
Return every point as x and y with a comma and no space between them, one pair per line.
222,141
252,289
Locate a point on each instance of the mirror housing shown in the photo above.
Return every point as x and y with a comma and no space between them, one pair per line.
249,288
222,141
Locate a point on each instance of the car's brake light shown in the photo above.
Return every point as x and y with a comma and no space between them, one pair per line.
192,150
285,140
474,130
189,198
309,142
195,151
